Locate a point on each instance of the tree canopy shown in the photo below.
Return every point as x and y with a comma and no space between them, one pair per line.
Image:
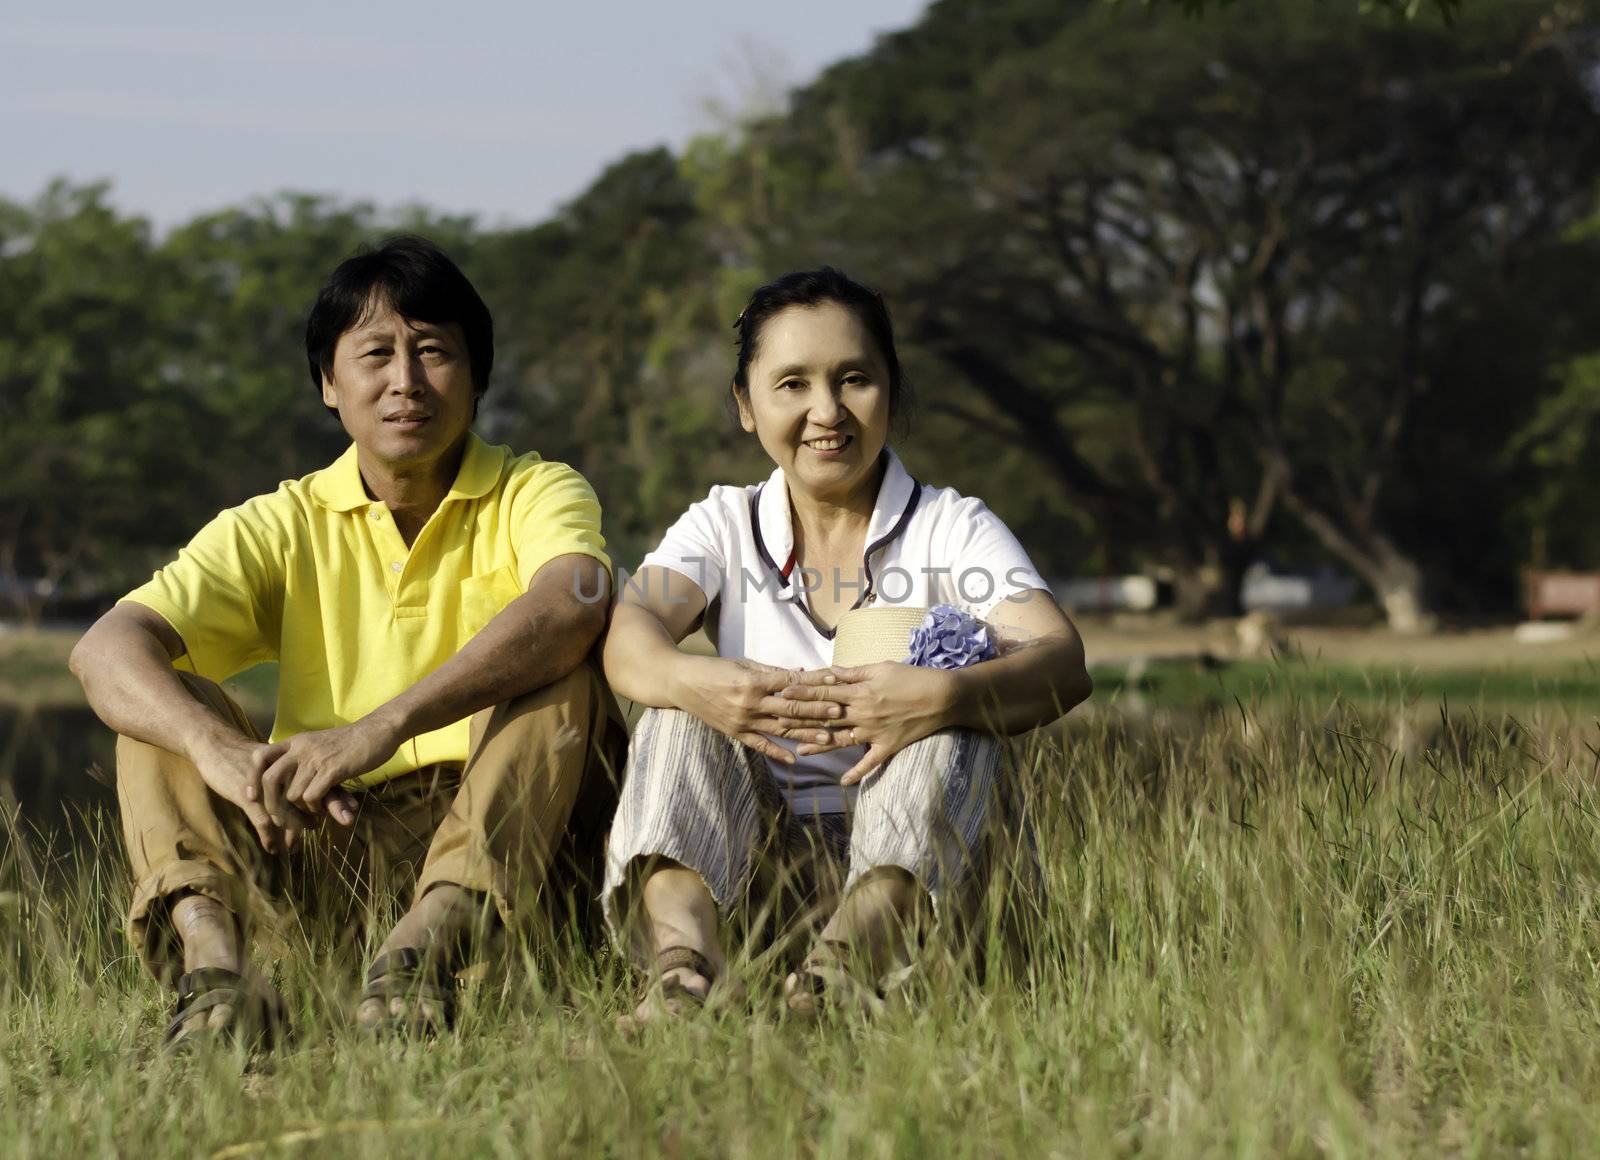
1292,281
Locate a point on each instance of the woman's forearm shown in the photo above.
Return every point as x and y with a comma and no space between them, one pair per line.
642,661
1029,686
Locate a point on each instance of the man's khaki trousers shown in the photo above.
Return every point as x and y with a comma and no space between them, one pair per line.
531,804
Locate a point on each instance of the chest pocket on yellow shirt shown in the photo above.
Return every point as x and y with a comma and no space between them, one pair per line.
482,598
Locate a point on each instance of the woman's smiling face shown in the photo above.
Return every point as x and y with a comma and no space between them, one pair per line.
818,399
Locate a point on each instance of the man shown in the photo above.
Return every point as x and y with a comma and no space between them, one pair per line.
431,602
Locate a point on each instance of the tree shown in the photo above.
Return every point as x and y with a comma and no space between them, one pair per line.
611,353
1208,294
1408,9
82,413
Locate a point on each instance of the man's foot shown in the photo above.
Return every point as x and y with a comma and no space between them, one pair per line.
216,1003
411,986
218,995
824,981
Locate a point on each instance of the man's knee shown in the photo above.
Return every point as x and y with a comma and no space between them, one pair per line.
579,696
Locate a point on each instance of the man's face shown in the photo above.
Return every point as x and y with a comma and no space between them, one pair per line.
403,389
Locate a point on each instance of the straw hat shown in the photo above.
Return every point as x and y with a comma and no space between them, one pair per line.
875,632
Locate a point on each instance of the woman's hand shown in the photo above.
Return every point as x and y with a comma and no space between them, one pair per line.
885,707
740,699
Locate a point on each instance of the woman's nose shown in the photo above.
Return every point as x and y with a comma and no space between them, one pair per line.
827,408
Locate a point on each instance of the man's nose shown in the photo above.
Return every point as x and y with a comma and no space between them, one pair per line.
406,378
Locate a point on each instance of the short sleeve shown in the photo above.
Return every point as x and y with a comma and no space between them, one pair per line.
988,565
554,512
224,593
696,546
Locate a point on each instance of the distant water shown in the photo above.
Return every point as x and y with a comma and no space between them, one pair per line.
47,754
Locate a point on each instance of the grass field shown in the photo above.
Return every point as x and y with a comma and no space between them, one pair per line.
1257,937
1285,912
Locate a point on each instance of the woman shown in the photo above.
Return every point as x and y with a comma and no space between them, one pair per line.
887,770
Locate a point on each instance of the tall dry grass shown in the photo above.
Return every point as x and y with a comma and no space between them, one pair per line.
1274,933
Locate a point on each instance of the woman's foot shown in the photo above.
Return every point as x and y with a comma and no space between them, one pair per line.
826,981
870,936
682,919
682,982
411,987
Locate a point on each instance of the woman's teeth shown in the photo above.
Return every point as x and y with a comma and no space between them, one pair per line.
828,444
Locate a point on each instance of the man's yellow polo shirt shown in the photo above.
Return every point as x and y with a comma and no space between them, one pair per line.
316,577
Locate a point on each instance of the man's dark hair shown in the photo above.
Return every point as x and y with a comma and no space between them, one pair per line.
415,278
812,288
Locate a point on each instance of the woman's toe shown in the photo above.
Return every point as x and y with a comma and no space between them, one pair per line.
370,1013
215,1019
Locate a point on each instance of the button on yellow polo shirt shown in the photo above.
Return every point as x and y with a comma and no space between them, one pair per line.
316,577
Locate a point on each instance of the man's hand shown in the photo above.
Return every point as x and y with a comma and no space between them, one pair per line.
232,765
307,774
738,699
885,707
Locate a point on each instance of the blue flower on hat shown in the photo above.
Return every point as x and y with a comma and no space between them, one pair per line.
948,638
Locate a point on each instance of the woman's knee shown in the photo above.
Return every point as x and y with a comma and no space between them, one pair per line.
677,738
951,748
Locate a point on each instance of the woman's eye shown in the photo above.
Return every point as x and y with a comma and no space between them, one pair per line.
791,385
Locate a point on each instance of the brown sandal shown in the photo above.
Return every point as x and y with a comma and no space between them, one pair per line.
407,974
682,959
663,989
260,1018
825,981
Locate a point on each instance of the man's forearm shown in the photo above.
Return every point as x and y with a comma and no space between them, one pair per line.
534,640
128,678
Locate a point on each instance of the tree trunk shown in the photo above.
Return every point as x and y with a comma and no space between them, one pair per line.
1398,585
1211,587
1394,577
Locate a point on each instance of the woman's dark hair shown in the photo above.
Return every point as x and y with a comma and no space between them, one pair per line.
812,288
419,282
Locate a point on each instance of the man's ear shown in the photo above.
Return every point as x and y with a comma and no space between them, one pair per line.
330,396
747,417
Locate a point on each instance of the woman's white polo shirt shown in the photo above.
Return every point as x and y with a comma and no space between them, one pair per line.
924,546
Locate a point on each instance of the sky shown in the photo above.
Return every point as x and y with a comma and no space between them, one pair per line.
503,110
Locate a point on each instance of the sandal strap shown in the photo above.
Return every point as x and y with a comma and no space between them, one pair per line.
208,987
409,964
681,958
827,969
205,979
406,974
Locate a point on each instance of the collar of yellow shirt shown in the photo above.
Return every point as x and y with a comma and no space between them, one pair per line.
339,486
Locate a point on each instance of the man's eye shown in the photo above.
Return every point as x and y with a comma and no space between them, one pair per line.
379,351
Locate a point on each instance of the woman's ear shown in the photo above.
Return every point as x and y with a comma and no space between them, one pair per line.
747,417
